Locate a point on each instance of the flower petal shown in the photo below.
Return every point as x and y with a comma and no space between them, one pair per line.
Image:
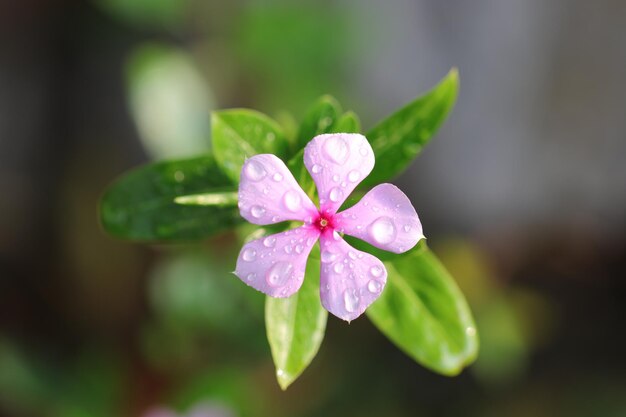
338,162
275,264
384,218
350,280
268,193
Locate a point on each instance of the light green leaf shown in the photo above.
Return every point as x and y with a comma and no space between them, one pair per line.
320,118
348,123
142,204
295,327
239,134
398,139
425,314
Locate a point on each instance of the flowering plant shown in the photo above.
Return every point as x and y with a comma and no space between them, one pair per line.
408,295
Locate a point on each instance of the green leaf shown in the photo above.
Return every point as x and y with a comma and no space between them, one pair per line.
295,327
320,118
401,137
425,314
142,204
239,134
348,123
302,176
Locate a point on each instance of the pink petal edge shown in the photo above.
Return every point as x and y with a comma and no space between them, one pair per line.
338,162
268,192
384,218
350,280
275,264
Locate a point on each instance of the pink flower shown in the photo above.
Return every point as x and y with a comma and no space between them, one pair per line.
350,279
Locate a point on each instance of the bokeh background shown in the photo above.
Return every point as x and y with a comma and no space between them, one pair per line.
522,194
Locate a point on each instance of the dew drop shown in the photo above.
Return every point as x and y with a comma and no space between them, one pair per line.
269,242
363,151
336,178
257,212
336,235
266,191
338,268
279,274
335,195
299,249
251,276
291,200
350,300
277,177
352,255
288,249
249,254
275,219
254,171
407,228
354,176
374,286
316,169
376,271
382,230
337,150
328,256
310,241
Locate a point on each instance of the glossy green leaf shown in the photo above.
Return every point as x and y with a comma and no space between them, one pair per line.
349,122
320,118
302,176
141,205
425,314
398,139
295,327
239,134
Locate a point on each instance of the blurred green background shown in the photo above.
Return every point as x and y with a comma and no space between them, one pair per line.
522,195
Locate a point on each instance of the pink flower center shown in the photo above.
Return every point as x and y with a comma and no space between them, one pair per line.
324,222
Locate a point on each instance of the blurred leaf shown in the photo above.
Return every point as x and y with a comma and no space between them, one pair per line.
141,205
401,137
169,101
239,134
348,123
146,13
424,313
295,327
319,118
301,174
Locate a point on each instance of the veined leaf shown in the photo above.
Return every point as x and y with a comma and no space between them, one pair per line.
239,134
424,313
142,204
296,326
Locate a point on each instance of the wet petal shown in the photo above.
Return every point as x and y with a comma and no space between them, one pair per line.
275,264
384,218
268,193
338,162
350,280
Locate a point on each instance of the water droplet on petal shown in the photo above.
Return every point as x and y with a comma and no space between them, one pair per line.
336,235
310,241
254,170
251,276
275,219
374,286
269,242
279,274
363,151
336,178
352,255
316,169
328,256
288,249
249,254
299,249
257,212
338,268
354,176
266,191
376,271
350,300
291,200
277,177
382,230
407,228
337,150
335,195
